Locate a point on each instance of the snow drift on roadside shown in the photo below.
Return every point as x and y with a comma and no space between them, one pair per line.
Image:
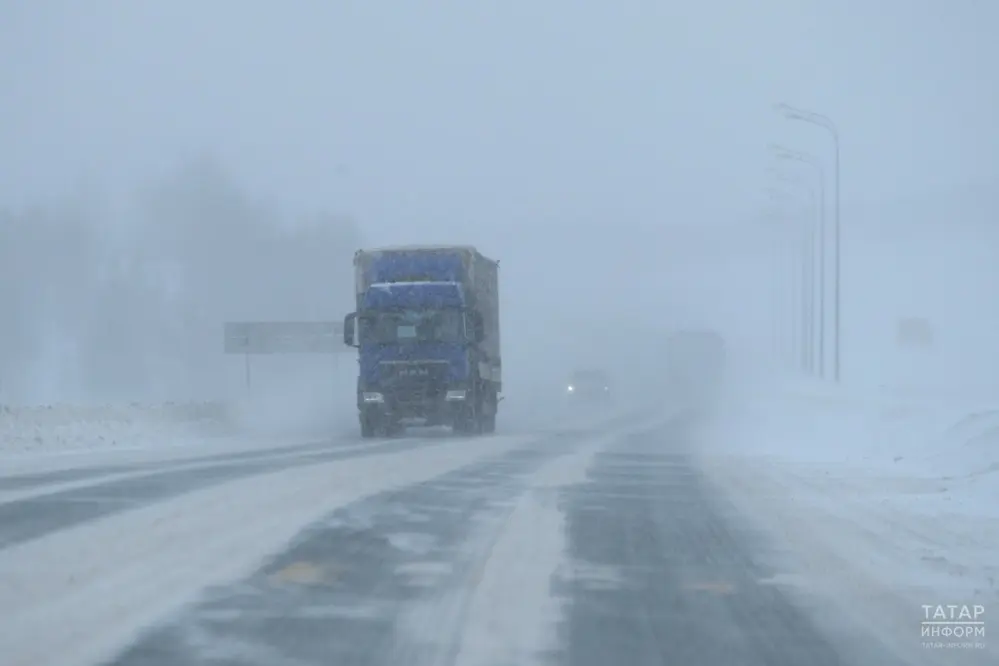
275,408
886,428
881,503
40,428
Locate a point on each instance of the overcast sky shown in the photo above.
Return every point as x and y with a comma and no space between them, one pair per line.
448,113
508,124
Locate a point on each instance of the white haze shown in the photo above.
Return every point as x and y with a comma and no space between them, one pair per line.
612,156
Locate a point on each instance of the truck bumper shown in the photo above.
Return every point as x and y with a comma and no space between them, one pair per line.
431,410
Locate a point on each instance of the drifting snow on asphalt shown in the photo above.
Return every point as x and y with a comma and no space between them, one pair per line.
390,579
91,555
504,612
617,544
73,597
575,551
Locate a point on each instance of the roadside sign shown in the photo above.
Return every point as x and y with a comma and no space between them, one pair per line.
281,337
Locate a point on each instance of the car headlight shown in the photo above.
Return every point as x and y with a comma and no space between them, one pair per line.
570,388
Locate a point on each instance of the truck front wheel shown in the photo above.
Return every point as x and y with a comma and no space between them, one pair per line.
489,423
468,420
487,413
369,426
465,422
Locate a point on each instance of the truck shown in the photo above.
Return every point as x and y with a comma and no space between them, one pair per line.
427,329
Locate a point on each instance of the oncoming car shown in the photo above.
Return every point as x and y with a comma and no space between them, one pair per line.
590,385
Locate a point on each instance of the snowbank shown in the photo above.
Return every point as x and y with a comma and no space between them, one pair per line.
85,427
881,501
276,411
270,417
885,396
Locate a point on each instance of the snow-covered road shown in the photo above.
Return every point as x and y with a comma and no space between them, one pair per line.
637,539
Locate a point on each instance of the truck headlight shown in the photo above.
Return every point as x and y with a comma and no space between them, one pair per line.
458,394
570,388
372,397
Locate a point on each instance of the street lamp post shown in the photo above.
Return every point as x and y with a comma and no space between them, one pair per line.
808,269
801,347
785,289
792,113
806,158
779,285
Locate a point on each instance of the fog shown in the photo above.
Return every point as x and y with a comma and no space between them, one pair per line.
167,166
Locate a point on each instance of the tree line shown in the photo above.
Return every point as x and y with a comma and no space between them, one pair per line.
130,305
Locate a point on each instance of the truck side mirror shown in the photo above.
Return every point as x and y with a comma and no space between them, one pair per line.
348,329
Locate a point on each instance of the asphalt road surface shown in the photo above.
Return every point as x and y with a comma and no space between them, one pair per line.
565,549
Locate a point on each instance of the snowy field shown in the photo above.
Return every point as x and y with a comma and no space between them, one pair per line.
63,436
62,427
883,501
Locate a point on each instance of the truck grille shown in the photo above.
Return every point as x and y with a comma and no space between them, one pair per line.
414,382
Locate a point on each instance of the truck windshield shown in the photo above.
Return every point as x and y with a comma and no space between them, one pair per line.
411,326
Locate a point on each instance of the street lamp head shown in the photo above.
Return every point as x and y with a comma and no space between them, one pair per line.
780,151
782,176
791,113
788,111
783,153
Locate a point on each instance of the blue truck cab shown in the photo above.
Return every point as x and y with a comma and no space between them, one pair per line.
426,327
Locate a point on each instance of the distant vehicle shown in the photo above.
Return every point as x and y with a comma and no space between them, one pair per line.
589,385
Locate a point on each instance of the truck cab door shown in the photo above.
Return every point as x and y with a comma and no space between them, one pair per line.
477,331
